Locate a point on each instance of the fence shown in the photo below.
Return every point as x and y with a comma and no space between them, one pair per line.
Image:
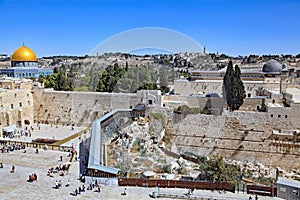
143,182
262,190
37,145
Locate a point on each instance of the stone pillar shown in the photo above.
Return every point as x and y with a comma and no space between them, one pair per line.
283,81
104,155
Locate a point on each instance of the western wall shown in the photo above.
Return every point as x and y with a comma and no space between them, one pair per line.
246,135
78,108
82,108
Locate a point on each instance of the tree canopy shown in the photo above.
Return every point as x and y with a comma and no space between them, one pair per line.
218,171
234,87
58,81
129,80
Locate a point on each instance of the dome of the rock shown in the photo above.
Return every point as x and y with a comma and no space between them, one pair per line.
24,54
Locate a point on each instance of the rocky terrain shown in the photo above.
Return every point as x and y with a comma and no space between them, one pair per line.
149,145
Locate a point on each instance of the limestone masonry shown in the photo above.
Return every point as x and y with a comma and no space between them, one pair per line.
266,128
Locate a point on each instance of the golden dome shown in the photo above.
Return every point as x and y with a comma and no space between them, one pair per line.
23,54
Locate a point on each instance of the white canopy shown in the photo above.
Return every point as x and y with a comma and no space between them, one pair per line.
149,173
9,129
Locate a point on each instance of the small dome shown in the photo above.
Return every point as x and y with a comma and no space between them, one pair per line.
272,66
24,54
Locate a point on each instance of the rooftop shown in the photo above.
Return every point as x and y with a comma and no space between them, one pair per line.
288,182
295,92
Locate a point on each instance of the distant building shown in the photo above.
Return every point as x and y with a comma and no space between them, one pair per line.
16,103
270,76
288,188
24,65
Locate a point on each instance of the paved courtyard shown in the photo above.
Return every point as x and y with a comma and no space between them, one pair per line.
15,185
50,132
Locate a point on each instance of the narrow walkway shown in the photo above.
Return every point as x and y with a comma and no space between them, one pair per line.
71,137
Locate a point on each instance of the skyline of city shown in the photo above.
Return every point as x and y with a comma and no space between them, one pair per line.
75,27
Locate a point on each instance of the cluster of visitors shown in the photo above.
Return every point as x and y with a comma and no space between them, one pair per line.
27,131
95,185
79,190
58,170
256,198
32,177
8,148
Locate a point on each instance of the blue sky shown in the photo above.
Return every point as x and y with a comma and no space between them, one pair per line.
234,27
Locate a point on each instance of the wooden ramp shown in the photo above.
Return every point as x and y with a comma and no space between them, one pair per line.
71,137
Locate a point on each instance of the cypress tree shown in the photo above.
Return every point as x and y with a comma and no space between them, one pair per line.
234,87
238,89
227,81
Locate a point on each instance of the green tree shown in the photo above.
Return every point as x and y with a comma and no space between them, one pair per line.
233,87
109,78
58,81
41,79
218,171
50,81
55,70
238,90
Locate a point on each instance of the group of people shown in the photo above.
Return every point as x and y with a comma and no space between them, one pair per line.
8,148
79,190
27,131
256,198
190,191
32,177
93,185
59,169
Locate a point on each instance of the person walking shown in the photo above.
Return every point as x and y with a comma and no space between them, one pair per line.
13,169
68,183
76,192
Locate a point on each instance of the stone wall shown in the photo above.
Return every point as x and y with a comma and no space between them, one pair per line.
243,136
213,104
252,104
16,107
293,115
203,87
80,108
